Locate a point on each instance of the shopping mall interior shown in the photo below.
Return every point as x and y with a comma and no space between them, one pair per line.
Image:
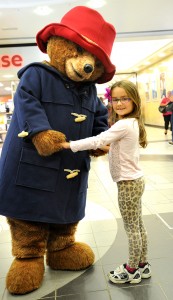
142,53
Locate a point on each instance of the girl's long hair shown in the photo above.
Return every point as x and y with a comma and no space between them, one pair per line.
132,92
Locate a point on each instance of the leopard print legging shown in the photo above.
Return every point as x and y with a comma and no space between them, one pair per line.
129,199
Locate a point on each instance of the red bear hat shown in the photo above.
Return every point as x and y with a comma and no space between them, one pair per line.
87,28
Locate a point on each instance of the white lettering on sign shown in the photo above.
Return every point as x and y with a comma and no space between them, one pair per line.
9,61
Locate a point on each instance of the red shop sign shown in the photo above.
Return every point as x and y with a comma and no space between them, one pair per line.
10,61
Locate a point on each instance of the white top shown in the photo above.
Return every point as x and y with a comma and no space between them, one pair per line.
123,138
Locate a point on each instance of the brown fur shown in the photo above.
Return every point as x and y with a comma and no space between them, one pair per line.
63,253
97,152
78,256
48,142
25,275
64,53
30,241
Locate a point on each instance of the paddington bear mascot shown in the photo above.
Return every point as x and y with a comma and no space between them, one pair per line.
43,189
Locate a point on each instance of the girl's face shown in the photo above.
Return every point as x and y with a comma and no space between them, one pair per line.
122,104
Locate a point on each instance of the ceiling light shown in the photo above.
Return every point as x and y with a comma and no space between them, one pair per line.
161,54
8,76
43,10
7,88
146,63
96,3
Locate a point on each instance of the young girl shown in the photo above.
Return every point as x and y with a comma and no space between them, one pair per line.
124,138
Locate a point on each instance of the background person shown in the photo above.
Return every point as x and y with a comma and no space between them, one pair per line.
166,115
171,109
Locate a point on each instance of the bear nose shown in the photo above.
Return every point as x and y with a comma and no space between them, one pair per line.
88,68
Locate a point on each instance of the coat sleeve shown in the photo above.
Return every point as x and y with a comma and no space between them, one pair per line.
115,133
28,108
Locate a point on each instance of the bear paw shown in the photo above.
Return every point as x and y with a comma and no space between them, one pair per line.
78,256
25,275
97,152
48,142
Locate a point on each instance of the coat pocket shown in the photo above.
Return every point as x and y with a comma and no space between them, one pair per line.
37,172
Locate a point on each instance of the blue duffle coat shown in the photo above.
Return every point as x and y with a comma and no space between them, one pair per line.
33,187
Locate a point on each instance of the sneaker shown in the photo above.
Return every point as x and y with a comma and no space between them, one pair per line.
145,271
121,275
171,143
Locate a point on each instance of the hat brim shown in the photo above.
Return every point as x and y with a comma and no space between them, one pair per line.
56,29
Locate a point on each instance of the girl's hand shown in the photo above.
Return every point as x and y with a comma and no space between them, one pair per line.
65,145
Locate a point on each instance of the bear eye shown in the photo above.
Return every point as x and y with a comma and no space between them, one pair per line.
98,64
80,49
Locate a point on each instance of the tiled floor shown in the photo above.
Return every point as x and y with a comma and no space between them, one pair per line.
104,232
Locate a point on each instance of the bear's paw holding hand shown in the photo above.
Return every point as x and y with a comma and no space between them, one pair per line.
48,142
98,152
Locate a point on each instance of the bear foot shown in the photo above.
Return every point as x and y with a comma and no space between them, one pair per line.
78,256
25,275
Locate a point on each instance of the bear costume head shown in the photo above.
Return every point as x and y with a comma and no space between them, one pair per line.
79,50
